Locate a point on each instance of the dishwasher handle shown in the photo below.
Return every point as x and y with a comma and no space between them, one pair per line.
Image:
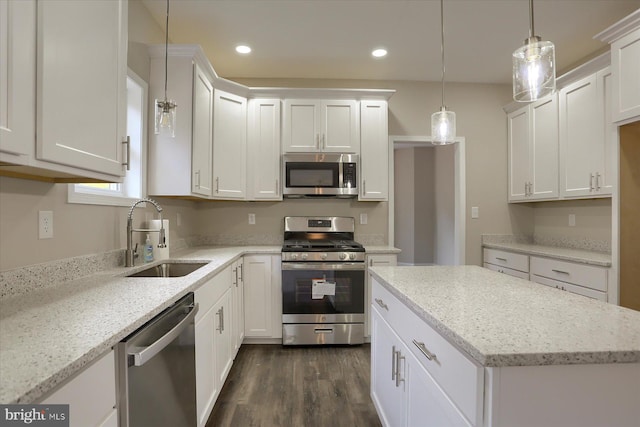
143,354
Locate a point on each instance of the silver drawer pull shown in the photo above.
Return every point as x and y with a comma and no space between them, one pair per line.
501,259
423,349
561,272
382,304
323,331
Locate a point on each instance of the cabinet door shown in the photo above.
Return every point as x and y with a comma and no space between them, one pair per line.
202,133
340,130
387,396
81,83
17,76
263,150
544,149
258,296
580,133
222,337
625,60
206,386
301,125
519,153
229,145
427,404
238,306
374,151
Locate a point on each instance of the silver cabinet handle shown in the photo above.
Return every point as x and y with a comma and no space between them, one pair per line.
399,379
591,186
323,331
127,141
217,184
382,304
501,259
241,267
146,353
235,272
423,350
598,181
560,272
220,314
393,363
197,174
371,262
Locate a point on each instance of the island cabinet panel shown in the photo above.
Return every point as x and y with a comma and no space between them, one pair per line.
564,395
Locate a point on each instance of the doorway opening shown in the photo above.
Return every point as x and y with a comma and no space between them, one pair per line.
427,201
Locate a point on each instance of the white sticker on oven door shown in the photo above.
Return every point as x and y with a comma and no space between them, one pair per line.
320,288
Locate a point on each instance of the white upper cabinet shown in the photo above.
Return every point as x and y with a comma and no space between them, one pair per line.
81,83
533,151
263,150
624,37
374,150
229,145
202,133
17,77
585,138
63,68
311,125
181,165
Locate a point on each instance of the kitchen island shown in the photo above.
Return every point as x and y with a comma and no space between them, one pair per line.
469,346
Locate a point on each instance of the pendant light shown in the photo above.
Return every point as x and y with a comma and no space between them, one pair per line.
443,122
166,109
534,74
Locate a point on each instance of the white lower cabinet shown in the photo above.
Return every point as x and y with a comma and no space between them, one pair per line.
374,260
263,296
91,395
404,391
213,341
510,263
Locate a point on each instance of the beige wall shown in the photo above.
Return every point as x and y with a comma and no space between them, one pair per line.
404,206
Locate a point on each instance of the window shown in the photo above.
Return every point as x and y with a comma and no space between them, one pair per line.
133,186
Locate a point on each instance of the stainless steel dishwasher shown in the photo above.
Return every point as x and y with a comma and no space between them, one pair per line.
157,371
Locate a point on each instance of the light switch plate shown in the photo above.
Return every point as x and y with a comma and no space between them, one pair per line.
252,219
572,220
475,212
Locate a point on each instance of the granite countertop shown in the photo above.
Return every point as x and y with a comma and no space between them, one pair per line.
49,334
583,256
500,320
381,249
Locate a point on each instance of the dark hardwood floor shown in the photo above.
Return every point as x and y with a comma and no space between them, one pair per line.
272,385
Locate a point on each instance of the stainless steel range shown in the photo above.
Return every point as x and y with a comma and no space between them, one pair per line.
323,282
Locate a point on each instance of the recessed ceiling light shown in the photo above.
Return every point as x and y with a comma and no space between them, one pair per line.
243,49
379,53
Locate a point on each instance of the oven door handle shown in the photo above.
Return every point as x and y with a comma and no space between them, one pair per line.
350,266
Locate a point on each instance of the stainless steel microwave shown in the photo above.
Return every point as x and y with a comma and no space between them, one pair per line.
320,174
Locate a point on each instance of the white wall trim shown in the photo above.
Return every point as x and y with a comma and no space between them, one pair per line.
460,189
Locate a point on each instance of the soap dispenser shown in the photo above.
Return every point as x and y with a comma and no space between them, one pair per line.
148,250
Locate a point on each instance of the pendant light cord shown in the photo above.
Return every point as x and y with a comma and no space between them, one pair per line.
531,31
442,45
166,50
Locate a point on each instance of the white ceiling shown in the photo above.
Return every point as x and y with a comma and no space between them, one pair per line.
330,39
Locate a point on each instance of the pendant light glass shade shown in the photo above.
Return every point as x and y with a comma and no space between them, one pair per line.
166,109
534,74
443,122
443,127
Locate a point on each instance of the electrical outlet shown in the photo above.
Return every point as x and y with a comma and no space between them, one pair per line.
475,212
45,224
363,218
252,219
179,219
572,220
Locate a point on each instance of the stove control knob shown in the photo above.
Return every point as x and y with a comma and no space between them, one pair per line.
352,256
343,256
294,256
323,256
304,257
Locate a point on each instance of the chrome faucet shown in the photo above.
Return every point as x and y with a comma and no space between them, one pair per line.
131,253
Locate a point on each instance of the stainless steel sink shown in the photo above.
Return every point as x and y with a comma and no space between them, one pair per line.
169,269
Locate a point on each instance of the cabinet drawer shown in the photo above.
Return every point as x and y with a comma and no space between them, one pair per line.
580,290
578,274
507,259
459,377
386,304
507,270
209,293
